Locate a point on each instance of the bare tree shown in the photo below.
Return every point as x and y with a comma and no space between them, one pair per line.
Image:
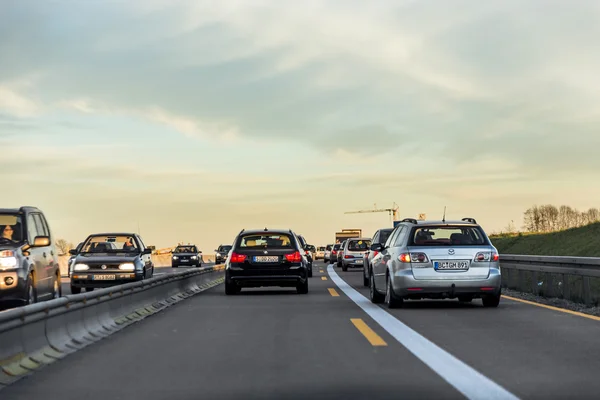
549,218
63,246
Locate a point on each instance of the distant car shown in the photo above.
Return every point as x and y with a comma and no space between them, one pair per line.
380,237
186,255
108,259
71,261
353,252
320,255
305,247
327,253
313,251
29,269
261,258
436,260
340,253
334,253
221,253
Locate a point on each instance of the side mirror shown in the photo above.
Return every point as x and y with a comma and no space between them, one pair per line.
376,247
147,251
41,241
152,248
73,252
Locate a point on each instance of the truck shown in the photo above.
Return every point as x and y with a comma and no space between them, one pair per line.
346,234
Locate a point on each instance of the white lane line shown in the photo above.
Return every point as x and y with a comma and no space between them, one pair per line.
463,378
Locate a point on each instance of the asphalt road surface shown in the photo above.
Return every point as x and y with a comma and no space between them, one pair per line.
331,344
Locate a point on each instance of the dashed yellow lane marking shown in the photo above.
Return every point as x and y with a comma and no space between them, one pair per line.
553,308
368,333
333,292
323,278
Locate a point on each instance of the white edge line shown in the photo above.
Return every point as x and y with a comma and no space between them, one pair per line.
462,377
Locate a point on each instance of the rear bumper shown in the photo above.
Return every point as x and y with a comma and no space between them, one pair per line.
405,285
262,278
356,263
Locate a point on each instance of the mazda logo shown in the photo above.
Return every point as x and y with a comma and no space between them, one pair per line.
451,251
103,267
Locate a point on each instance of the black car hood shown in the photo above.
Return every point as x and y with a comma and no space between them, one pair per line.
106,259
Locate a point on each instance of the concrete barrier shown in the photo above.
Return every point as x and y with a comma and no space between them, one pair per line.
36,335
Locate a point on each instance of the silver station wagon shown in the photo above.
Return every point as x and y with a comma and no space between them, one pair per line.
436,260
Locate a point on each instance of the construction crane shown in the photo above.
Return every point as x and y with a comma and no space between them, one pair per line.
393,212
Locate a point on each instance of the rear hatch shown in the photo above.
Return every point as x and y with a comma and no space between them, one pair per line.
450,253
356,249
267,251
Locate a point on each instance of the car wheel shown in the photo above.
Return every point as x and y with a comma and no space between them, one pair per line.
302,288
366,277
374,295
390,298
230,288
491,300
31,293
309,273
75,290
344,267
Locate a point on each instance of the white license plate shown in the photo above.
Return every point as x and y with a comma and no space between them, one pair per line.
185,260
266,259
457,265
358,261
105,277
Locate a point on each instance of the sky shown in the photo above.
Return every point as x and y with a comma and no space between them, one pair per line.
190,120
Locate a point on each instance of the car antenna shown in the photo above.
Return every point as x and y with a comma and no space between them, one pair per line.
444,217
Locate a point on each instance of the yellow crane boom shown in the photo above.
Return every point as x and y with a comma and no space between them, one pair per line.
393,212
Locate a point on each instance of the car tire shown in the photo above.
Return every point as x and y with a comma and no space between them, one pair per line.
309,273
391,301
365,278
75,290
30,292
302,288
491,301
231,289
344,267
56,287
374,295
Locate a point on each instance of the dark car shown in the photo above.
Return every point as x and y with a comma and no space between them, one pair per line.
221,253
380,237
108,259
261,258
186,255
29,269
340,253
334,253
306,249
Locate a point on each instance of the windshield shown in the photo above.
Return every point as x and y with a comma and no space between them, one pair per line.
224,248
359,245
110,244
321,248
271,240
337,246
11,228
186,249
447,236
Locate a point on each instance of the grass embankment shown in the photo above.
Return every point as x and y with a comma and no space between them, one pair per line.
582,242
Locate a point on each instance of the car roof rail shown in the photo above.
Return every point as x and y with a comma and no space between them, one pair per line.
242,231
411,220
471,220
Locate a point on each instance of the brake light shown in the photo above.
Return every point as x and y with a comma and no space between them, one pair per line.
495,257
333,252
487,256
413,257
487,289
238,258
7,253
347,256
294,257
375,252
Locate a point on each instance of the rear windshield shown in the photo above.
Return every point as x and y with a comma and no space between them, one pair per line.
329,247
337,246
447,236
268,240
321,248
185,249
359,245
384,235
224,248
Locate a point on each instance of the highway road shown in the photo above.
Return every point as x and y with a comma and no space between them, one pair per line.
331,344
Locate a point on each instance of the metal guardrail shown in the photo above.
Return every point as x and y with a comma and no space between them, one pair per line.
572,278
39,334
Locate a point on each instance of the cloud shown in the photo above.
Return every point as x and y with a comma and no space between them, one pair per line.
17,104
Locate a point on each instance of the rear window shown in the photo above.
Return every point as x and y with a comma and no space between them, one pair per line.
329,247
224,248
384,235
359,245
321,248
447,236
267,240
337,246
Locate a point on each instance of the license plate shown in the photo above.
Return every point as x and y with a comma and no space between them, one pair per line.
184,260
266,259
358,261
105,277
451,265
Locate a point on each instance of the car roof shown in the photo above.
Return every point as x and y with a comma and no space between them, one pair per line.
441,222
359,238
186,245
19,210
256,231
114,234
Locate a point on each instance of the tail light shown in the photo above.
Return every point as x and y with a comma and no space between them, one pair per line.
333,252
238,258
375,252
7,253
413,257
347,256
487,256
294,257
